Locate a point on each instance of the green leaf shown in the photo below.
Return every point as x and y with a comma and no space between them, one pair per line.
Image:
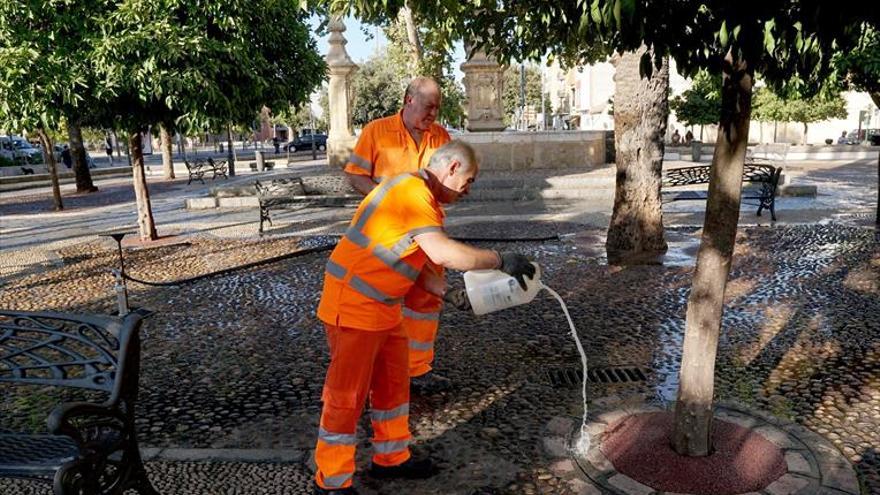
722,34
769,39
596,12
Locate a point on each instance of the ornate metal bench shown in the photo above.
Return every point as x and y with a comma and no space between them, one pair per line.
198,169
764,175
278,194
91,447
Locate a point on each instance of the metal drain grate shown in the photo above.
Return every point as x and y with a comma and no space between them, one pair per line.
570,377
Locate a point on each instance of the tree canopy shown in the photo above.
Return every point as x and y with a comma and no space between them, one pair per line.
769,107
204,62
860,68
701,104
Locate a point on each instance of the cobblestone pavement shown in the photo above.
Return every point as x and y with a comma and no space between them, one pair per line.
237,361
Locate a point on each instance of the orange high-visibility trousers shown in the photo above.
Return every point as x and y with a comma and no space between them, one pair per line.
362,364
421,320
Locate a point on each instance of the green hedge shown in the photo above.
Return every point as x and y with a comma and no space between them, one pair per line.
6,162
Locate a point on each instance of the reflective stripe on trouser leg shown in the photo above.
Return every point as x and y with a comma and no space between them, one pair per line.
422,333
421,318
389,402
353,354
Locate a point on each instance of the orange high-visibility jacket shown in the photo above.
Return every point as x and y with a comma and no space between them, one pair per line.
386,149
377,261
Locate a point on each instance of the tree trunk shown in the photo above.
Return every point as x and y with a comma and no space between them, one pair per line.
775,127
46,142
693,410
805,133
876,98
412,34
116,140
80,163
167,150
146,226
641,110
231,151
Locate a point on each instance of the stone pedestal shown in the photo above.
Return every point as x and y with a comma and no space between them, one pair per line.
483,81
340,139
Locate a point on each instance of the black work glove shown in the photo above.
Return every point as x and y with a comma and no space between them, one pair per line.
458,299
517,266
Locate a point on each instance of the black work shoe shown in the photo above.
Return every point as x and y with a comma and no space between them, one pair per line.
413,469
317,490
430,383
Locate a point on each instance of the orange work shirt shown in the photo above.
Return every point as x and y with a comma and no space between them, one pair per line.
377,261
386,149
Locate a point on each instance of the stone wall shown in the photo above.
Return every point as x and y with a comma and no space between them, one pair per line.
528,150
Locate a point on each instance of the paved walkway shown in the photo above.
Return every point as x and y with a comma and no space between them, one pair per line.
800,341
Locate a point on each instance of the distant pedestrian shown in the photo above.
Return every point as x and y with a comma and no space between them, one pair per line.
277,144
66,158
676,138
842,138
108,147
688,137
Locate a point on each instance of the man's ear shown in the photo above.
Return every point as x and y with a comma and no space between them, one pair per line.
454,166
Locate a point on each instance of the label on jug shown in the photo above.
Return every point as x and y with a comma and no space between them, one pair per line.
500,294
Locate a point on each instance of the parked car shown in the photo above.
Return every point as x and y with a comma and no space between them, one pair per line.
304,142
866,136
19,150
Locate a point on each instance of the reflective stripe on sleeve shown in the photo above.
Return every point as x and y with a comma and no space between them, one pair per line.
400,246
388,414
361,163
390,447
336,438
415,315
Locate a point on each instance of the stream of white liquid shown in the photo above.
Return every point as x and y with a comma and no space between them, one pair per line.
582,444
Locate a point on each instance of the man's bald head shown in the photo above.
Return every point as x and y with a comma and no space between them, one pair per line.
421,104
421,86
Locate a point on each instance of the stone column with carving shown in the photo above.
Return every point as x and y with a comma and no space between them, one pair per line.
483,81
341,139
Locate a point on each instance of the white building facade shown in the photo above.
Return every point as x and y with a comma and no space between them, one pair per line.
581,98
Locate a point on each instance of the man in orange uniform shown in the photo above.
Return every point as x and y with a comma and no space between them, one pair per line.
395,231
404,142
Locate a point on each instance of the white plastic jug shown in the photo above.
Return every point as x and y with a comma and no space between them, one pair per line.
493,290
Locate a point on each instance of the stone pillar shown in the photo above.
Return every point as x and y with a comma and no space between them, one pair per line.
483,81
340,140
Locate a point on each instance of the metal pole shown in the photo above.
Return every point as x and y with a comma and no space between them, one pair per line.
543,114
119,275
522,96
312,132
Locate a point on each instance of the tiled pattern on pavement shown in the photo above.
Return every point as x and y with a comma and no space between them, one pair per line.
237,361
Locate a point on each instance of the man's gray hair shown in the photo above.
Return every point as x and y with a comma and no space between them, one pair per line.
417,86
454,150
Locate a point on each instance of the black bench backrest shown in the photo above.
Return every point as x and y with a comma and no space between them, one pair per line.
67,350
292,186
752,172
